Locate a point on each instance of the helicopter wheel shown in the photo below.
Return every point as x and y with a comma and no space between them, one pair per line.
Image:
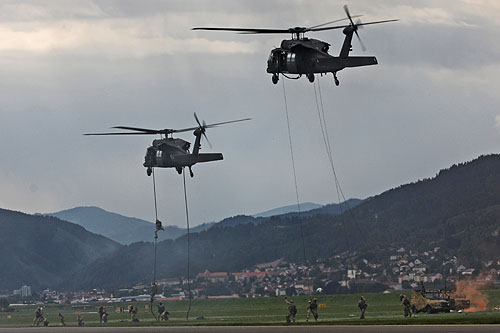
149,171
179,170
336,80
310,76
275,78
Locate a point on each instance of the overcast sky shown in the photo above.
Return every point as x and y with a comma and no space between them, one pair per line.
73,67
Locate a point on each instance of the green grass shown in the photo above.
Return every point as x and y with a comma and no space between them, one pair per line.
383,309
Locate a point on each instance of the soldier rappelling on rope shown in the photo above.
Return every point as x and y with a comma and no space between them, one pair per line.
154,291
158,227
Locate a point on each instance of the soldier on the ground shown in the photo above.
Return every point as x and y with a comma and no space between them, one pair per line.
406,304
161,310
292,311
312,307
164,315
105,317
79,319
158,227
362,307
61,317
101,313
38,316
133,310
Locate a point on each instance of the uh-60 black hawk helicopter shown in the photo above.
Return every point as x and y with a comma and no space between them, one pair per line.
301,55
169,152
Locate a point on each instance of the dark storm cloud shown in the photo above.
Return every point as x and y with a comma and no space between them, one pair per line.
69,68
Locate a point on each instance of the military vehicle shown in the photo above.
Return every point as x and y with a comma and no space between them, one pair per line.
436,300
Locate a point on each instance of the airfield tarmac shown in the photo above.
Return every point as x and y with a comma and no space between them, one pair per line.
263,329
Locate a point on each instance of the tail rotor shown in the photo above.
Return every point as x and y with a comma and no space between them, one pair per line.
202,128
355,26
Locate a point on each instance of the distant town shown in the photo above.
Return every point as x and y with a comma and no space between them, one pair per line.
404,270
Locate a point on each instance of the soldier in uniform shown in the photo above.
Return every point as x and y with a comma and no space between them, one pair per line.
101,313
154,291
105,317
362,307
161,310
133,310
292,311
61,317
312,307
38,316
158,227
406,304
79,319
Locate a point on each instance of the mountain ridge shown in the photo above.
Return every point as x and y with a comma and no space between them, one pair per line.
43,251
452,210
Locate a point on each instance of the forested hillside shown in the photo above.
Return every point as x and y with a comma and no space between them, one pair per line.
458,210
43,251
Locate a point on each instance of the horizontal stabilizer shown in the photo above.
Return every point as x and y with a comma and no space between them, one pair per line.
188,160
360,61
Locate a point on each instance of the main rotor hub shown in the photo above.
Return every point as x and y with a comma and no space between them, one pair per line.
298,32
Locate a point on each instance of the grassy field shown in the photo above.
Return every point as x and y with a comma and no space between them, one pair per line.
383,309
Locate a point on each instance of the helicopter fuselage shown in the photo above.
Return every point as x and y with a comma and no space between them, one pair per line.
308,56
174,153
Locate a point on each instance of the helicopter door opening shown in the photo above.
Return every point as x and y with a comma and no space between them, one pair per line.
277,62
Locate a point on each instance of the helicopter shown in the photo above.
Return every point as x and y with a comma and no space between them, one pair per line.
170,152
306,56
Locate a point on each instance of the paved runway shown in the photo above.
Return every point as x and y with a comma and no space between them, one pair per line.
262,329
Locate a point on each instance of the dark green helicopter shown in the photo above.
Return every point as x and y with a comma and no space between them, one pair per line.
169,152
307,56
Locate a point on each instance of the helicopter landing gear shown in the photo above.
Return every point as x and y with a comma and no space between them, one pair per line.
335,78
149,171
191,172
179,170
275,78
310,76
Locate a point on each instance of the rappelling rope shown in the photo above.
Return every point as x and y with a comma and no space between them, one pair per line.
188,242
294,172
155,244
340,193
326,141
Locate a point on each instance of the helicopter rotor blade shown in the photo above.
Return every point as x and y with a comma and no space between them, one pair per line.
359,25
355,25
145,130
148,131
205,135
346,9
360,42
226,122
331,22
206,138
245,30
197,120
127,133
